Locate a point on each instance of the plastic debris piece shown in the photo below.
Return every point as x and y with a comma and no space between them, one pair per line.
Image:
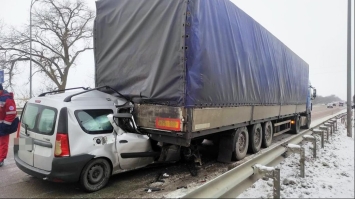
185,187
151,189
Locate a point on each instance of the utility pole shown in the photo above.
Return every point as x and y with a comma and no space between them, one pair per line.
349,111
32,2
354,65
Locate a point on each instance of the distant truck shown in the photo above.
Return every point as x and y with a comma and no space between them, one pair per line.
199,69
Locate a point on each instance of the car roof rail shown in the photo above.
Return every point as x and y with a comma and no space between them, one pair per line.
56,91
68,99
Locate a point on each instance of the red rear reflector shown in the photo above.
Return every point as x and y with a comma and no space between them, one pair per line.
168,124
61,145
37,101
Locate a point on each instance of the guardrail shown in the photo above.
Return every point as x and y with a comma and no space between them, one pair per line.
235,181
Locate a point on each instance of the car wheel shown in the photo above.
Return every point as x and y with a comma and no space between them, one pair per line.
95,175
241,140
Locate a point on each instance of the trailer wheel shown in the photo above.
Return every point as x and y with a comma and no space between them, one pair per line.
295,128
95,175
241,140
255,138
267,134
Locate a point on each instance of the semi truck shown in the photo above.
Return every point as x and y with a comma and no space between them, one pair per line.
169,74
200,69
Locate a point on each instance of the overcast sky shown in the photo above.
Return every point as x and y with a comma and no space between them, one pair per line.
316,30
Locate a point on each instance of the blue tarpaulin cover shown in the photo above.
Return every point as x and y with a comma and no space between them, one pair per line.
194,53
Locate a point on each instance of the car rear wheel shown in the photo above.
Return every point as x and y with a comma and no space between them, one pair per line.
95,175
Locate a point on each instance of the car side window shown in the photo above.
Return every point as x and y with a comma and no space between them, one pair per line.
94,121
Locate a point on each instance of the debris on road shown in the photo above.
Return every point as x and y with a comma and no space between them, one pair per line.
151,189
185,187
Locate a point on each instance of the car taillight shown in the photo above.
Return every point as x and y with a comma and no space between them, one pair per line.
18,130
61,145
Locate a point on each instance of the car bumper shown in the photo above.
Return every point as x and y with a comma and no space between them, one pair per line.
65,169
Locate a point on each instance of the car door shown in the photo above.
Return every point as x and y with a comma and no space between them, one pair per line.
27,134
131,143
45,137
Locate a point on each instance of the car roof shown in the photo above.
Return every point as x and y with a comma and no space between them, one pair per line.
88,98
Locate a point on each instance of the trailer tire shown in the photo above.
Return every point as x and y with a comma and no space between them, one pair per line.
267,134
255,134
295,128
95,175
241,140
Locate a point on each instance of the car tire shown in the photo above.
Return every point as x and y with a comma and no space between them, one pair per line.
241,140
95,175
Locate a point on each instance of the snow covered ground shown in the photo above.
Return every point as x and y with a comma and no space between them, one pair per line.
330,175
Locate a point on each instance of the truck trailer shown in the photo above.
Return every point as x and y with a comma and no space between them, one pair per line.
199,69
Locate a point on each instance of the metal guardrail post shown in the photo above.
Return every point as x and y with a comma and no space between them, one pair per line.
321,133
336,123
300,150
270,172
325,128
313,140
333,122
327,124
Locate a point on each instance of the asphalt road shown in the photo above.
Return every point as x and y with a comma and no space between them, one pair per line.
16,184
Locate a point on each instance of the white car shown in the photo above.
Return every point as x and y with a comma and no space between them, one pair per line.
330,105
70,137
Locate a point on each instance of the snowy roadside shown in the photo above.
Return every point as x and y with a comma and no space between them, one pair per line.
330,175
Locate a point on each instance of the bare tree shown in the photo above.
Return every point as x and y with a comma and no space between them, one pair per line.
61,31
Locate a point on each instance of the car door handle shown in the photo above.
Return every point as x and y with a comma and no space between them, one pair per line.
123,141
